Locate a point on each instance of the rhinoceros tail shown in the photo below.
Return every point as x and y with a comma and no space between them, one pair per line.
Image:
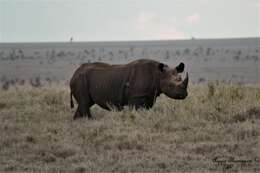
71,101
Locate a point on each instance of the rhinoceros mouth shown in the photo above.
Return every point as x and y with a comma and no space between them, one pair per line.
179,92
181,96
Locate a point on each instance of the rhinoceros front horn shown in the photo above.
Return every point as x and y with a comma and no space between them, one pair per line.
185,82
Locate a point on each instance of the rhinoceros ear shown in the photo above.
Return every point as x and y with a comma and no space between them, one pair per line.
180,67
163,67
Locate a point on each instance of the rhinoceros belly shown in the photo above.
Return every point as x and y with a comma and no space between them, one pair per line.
107,87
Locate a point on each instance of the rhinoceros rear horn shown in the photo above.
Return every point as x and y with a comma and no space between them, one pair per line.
185,82
180,67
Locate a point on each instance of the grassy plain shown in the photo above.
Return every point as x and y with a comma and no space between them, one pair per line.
38,134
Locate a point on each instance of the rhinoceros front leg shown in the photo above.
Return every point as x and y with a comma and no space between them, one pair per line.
140,102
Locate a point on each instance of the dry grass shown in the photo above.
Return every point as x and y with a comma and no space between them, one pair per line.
37,133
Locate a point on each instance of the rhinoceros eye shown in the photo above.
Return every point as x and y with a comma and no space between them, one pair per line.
178,78
174,72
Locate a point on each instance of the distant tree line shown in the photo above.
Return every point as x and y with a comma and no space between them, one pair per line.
109,54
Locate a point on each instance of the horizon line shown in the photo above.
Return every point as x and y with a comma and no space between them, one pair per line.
126,41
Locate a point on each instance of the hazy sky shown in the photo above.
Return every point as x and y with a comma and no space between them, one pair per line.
102,20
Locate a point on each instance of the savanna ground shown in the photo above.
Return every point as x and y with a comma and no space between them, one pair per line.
37,133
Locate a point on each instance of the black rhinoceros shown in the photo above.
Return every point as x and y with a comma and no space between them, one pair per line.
136,84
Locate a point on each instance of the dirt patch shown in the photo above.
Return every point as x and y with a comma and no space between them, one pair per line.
3,105
249,114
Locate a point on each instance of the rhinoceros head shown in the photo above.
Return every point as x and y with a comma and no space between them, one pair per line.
171,83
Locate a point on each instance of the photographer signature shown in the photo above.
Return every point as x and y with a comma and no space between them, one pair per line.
228,162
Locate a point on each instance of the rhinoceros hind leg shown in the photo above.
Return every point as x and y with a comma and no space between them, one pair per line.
85,108
77,114
83,111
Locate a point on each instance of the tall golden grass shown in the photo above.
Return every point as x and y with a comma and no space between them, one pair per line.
38,134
